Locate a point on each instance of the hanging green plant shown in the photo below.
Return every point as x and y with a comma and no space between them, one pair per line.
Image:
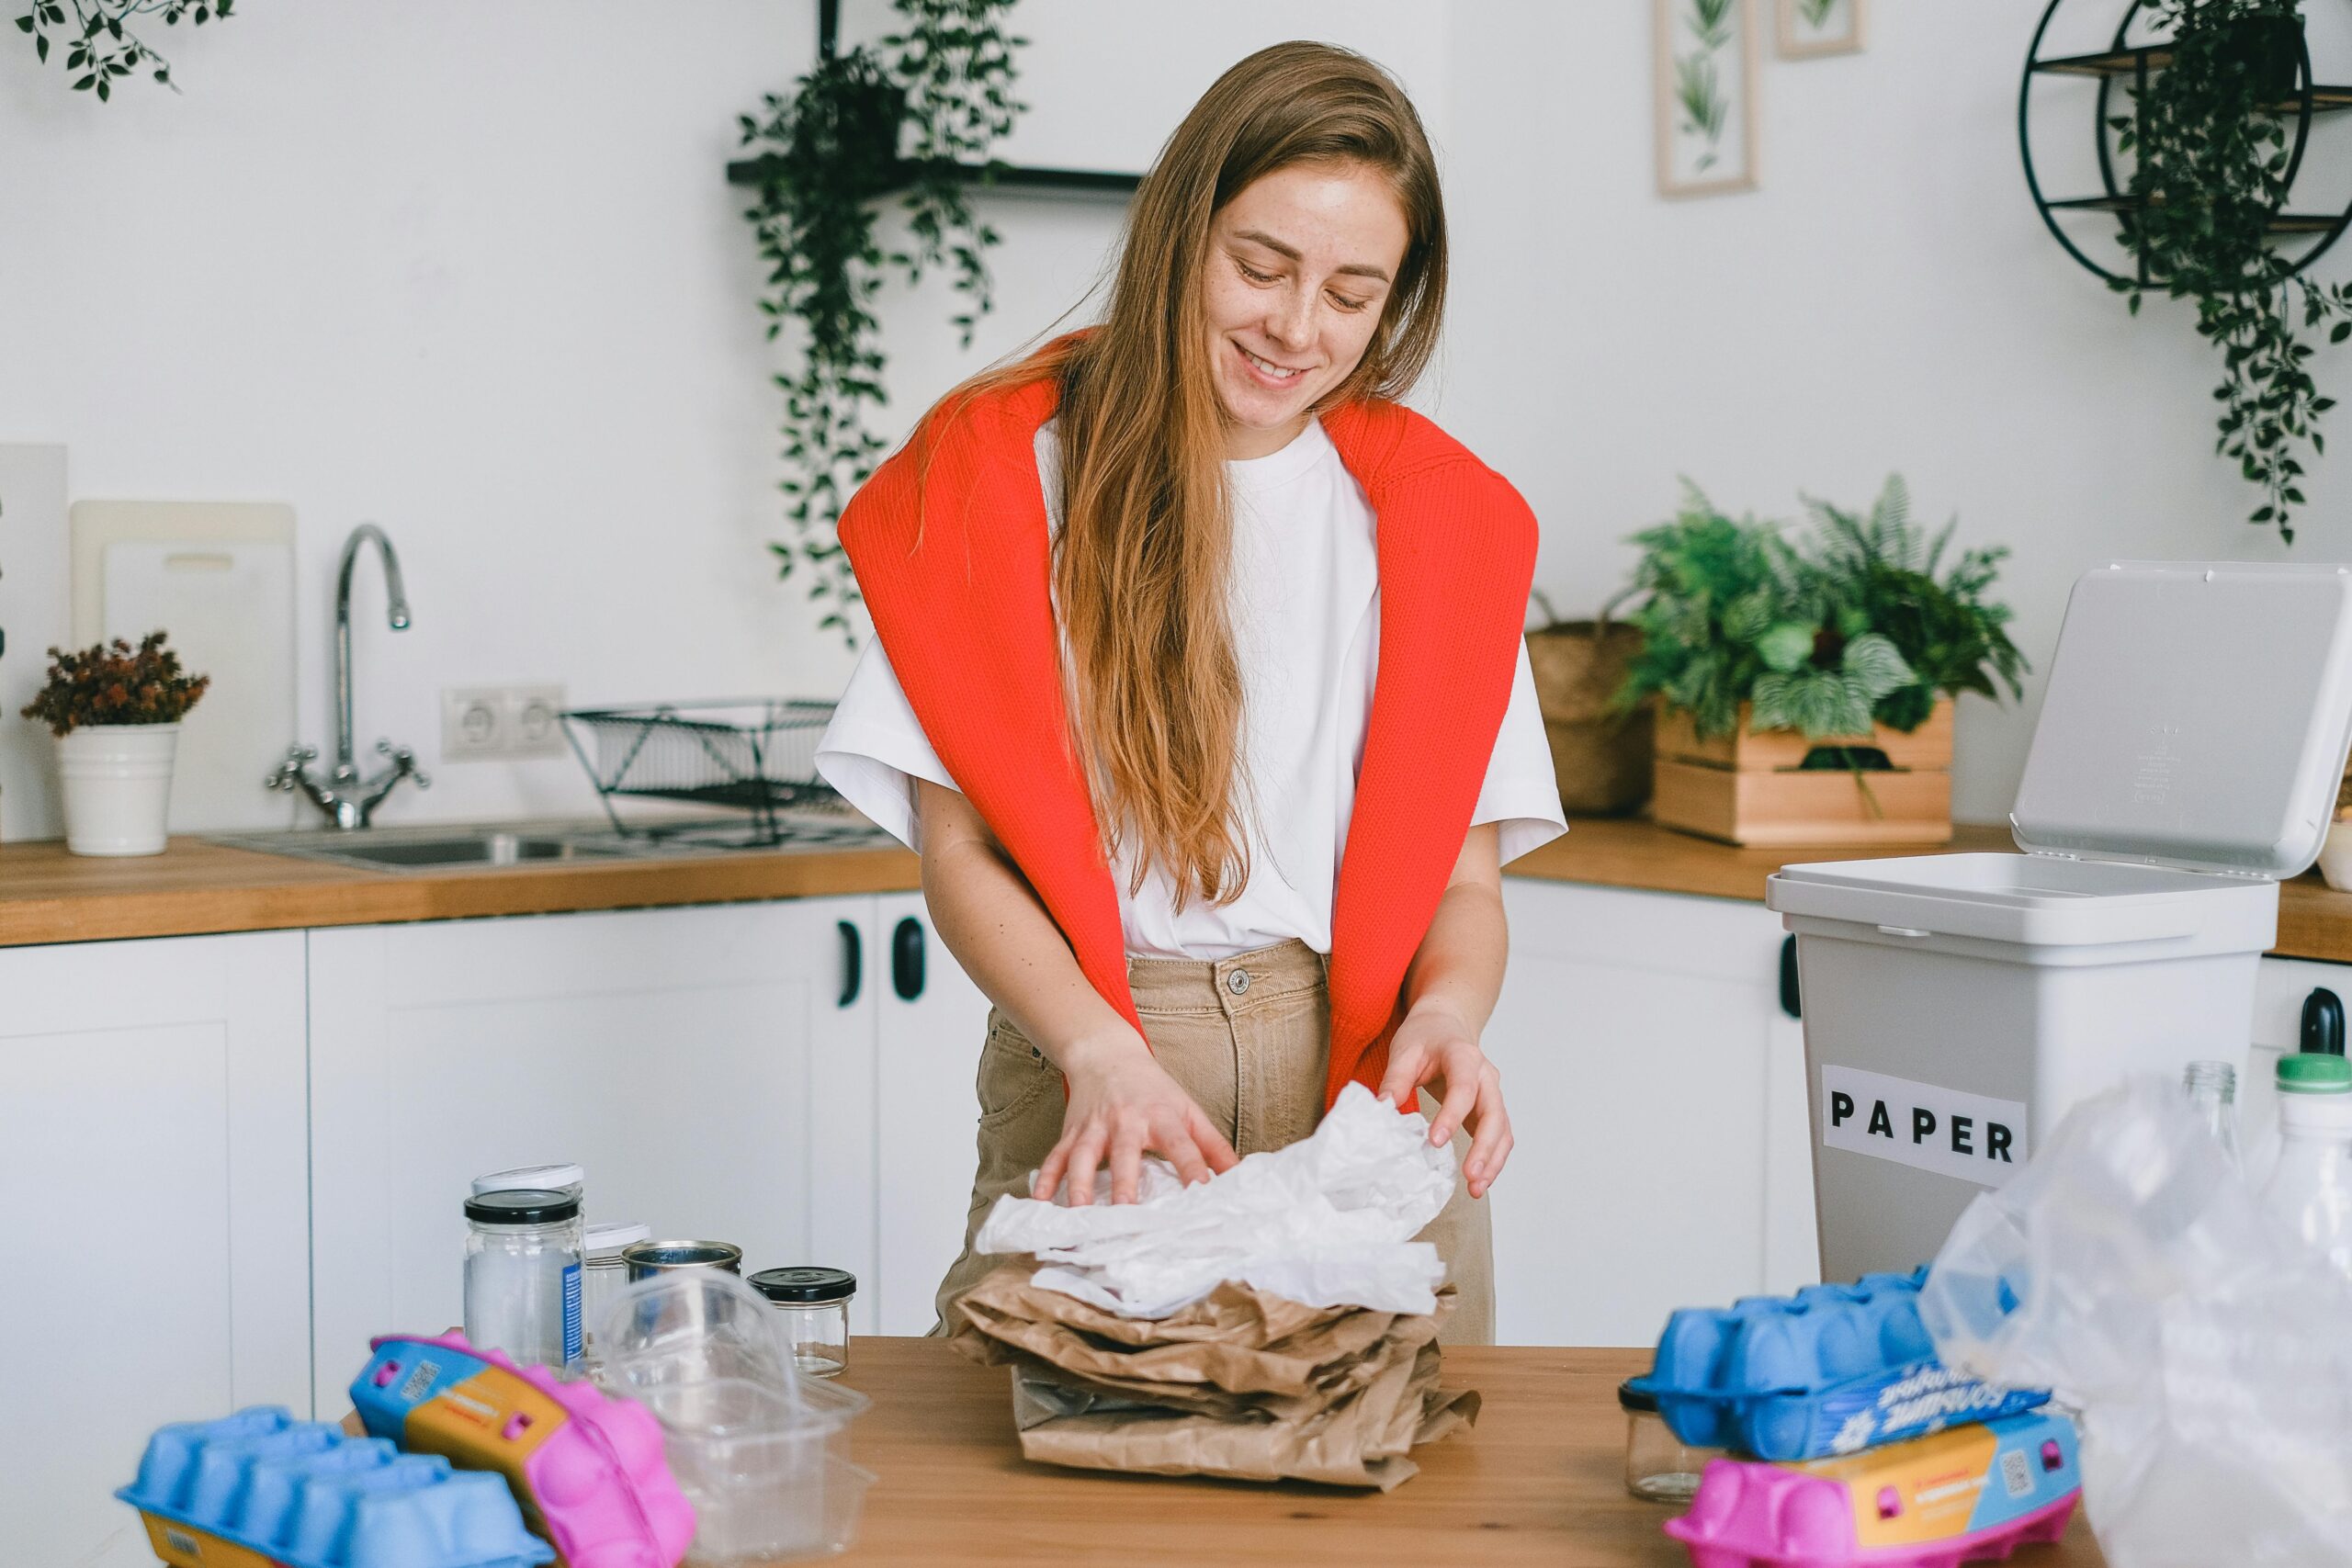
99,49
943,87
2212,168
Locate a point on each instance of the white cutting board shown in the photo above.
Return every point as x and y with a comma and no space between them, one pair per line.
33,617
219,579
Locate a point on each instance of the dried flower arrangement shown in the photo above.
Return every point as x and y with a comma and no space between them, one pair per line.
116,685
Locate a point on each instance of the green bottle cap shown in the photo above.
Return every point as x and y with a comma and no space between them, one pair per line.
2314,1072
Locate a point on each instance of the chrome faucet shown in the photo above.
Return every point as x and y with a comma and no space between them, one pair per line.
345,796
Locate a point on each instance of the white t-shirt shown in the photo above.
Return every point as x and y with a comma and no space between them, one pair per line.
1305,618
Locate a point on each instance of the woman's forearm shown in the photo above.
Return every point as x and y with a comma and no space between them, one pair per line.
998,928
1459,966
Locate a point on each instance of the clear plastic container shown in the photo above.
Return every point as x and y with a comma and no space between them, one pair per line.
2213,1089
759,1449
812,1309
522,1282
1659,1467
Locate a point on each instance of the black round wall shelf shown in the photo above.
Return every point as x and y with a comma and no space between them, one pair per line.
2126,65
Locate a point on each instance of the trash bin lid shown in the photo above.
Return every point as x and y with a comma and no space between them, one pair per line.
2198,716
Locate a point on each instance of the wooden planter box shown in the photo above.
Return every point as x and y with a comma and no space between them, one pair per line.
1745,788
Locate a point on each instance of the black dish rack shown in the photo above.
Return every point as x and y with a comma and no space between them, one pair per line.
757,755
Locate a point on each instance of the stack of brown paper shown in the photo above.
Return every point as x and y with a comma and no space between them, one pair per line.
1241,1383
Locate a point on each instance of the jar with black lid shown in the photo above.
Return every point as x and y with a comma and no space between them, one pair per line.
812,1306
522,1251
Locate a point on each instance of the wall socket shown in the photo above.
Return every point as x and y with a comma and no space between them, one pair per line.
502,723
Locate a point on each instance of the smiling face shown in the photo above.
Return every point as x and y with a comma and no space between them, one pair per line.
1299,270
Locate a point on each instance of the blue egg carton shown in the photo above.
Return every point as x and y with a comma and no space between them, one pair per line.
1832,1370
309,1495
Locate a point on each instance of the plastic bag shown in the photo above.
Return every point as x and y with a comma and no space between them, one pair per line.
1328,1220
2129,1269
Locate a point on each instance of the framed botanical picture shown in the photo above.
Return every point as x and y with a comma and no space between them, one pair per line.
1809,27
1705,96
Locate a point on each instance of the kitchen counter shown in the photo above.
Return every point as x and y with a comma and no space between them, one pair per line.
1539,1479
47,894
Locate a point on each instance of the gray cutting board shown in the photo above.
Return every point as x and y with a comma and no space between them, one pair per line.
219,579
33,617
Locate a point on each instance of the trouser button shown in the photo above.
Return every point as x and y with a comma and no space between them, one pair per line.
1237,981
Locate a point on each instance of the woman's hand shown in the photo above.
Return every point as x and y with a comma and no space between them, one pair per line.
1122,1103
1435,1045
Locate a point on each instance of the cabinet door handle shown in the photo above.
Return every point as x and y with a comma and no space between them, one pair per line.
852,962
1791,1003
906,959
2323,1022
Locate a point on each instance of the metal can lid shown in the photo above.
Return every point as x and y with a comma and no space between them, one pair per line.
805,1286
611,1238
532,1178
523,1206
1632,1398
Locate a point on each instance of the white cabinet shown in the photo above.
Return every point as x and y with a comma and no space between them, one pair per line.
927,1051
1657,1099
151,1169
707,1067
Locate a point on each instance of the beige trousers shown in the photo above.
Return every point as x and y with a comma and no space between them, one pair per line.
1248,1037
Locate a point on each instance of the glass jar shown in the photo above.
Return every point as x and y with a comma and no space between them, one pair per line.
1659,1468
812,1306
523,1249
603,1272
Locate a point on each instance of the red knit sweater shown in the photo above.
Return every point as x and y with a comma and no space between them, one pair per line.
950,544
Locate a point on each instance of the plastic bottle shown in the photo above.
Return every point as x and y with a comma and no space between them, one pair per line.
2310,1187
2212,1089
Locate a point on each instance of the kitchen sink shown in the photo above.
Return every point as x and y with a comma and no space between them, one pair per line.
444,847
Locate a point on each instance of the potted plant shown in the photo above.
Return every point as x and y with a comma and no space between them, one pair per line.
1807,683
1600,751
115,712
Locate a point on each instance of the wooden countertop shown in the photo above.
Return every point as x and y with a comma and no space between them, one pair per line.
47,894
2314,920
1539,1479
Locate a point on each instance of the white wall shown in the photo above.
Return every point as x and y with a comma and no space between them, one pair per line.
469,270
1888,300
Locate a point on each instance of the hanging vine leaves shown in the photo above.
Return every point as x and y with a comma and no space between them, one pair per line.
2212,164
100,50
943,86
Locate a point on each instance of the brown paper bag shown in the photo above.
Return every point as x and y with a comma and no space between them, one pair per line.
1242,1384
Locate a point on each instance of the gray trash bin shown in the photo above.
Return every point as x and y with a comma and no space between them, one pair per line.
2188,753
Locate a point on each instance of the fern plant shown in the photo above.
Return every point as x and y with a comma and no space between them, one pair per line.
1847,627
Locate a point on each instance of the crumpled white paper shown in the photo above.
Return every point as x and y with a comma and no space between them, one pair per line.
1329,1221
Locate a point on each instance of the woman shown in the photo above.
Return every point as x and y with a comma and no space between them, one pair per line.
1190,574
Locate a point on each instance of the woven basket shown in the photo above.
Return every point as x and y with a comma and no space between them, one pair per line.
1602,757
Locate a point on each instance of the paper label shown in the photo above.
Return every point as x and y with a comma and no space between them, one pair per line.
1918,1124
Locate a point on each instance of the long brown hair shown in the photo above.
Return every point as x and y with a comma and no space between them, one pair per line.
1141,565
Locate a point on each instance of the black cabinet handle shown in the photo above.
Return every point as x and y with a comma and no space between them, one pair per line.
906,959
2323,1022
852,962
1791,1003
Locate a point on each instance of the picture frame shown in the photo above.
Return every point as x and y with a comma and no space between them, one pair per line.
1807,30
1704,94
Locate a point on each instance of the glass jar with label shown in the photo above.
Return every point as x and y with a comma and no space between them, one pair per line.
1659,1468
523,1256
812,1307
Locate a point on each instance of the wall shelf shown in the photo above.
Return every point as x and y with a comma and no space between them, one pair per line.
1090,184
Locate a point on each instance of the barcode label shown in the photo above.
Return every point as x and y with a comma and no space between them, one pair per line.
419,1379
2016,1473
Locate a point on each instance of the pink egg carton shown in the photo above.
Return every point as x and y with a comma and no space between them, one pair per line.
588,1468
1966,1495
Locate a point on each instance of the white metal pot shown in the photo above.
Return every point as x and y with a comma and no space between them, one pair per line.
118,787
2336,856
